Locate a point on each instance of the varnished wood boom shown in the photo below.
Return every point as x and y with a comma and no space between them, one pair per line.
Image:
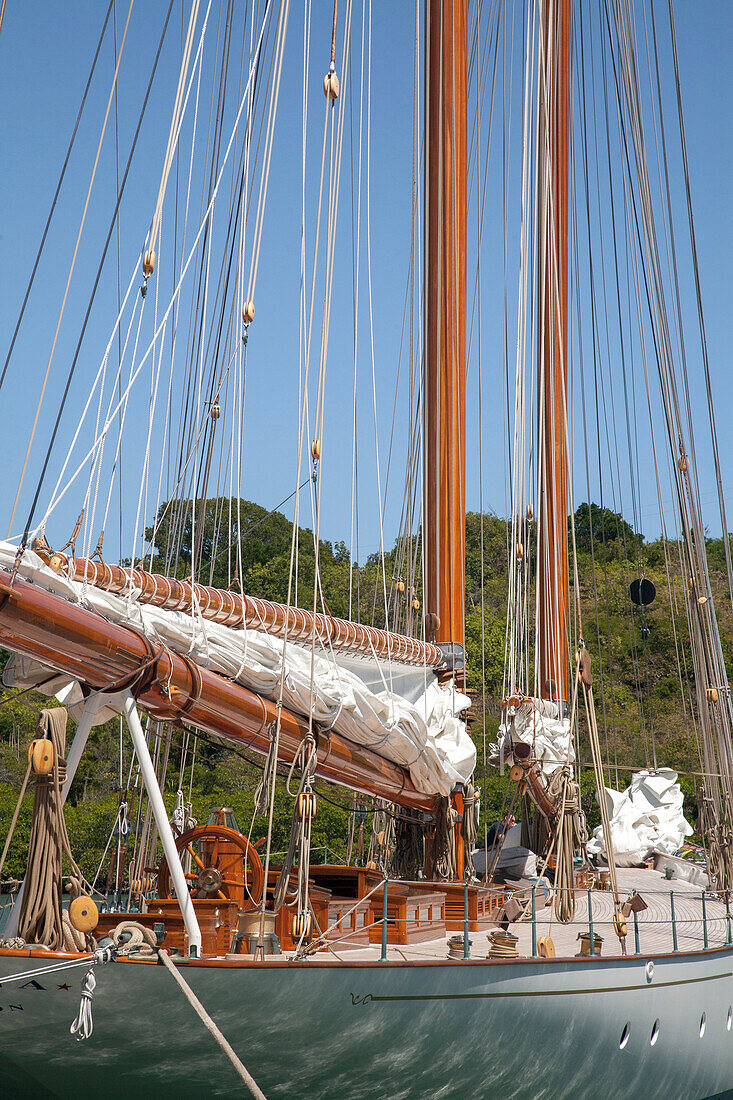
107,656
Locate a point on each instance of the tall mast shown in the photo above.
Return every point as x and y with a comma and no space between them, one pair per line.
552,168
444,453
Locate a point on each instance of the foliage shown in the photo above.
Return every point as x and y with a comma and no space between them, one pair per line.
643,686
597,527
239,539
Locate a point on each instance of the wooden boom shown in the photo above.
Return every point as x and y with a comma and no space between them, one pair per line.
107,656
232,609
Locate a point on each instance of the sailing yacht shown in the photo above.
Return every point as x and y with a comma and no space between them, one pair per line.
328,980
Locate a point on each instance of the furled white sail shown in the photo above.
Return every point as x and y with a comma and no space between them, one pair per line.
647,817
539,723
425,736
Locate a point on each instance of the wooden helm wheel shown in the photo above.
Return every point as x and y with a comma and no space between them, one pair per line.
216,873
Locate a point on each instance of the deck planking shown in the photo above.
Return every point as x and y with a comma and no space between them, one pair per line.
655,924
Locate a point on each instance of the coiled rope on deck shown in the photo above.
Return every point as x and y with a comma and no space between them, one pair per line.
570,836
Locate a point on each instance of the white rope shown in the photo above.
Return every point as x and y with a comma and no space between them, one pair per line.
269,135
73,263
174,334
83,1025
174,297
179,110
54,968
100,374
211,1027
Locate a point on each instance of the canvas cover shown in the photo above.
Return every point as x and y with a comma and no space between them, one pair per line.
645,818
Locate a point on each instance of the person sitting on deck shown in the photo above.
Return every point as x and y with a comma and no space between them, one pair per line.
498,830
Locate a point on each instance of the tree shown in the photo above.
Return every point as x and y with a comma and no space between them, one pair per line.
493,651
241,532
595,526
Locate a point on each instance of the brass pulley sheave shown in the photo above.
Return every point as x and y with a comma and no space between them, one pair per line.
302,925
585,671
619,922
148,269
248,316
546,947
331,85
307,806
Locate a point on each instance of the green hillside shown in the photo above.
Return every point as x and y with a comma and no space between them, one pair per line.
643,684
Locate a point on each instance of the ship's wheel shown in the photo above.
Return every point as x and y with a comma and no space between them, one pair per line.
224,865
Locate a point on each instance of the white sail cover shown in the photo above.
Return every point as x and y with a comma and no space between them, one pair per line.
537,722
424,736
647,817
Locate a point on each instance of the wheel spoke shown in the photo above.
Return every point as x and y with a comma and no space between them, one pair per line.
198,862
229,864
215,852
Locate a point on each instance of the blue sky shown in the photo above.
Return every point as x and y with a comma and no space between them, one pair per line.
45,55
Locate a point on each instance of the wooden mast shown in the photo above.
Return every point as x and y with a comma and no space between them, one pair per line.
444,439
445,320
552,167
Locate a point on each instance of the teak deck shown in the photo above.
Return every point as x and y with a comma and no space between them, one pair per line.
420,916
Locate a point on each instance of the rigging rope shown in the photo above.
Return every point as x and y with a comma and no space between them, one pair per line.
211,1026
40,906
54,200
71,271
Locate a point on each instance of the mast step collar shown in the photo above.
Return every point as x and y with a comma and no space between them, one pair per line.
454,657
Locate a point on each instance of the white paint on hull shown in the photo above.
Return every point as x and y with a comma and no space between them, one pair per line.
527,1029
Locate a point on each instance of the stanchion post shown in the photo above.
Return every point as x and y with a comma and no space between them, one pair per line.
590,924
674,923
466,945
160,815
534,921
637,948
704,921
384,921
